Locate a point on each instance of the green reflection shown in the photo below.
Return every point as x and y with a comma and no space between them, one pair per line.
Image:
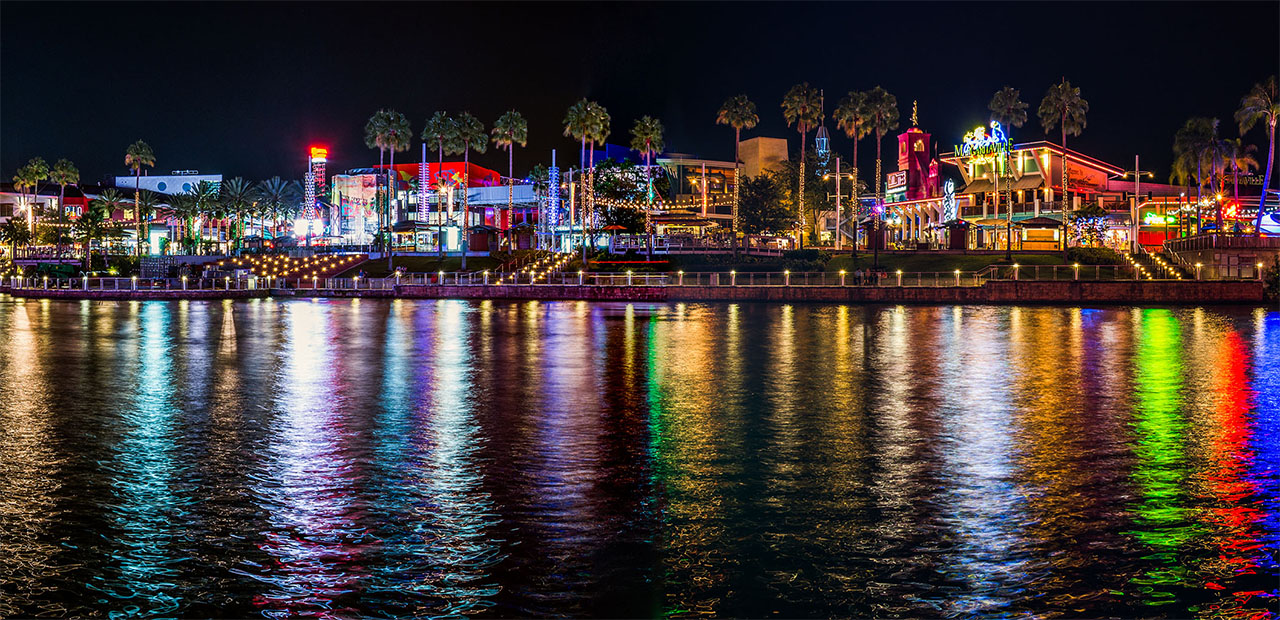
1161,518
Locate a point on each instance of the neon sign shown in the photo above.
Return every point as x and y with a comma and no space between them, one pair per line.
979,143
1155,219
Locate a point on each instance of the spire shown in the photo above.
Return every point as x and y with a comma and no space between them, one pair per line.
822,139
915,116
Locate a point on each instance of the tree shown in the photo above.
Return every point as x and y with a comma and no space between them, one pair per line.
1008,109
763,208
64,173
802,107
1192,145
376,137
471,135
442,130
1239,159
646,137
238,197
851,116
588,122
98,225
509,131
1261,104
207,205
277,197
138,154
740,113
29,177
1063,107
399,136
15,232
882,115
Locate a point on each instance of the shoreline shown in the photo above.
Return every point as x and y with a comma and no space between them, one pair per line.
997,292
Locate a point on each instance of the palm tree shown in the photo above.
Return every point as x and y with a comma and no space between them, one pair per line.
740,113
578,125
375,137
646,137
851,116
1008,109
882,116
588,122
64,173
208,206
1239,159
802,107
508,131
471,135
1193,147
138,154
399,136
1261,104
274,197
29,177
15,233
237,196
1063,107
440,129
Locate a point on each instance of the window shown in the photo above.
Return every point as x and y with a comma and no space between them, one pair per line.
6,209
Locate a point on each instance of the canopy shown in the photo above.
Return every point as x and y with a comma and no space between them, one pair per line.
995,222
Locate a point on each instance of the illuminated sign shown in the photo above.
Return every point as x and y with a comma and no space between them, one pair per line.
979,143
948,200
897,180
1155,219
319,153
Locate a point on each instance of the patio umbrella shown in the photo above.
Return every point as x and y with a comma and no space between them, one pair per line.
614,227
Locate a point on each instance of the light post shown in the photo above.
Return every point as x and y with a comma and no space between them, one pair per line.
1077,270
957,277
786,275
838,175
733,277
1015,272
841,271
134,283
1198,265
681,274
580,274
899,274
1259,270
1133,207
628,277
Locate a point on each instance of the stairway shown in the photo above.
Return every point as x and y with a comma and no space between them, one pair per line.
1154,266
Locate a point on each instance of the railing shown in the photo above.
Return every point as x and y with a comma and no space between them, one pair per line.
1040,273
1222,241
760,246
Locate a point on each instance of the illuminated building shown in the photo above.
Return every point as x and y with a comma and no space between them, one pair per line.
176,182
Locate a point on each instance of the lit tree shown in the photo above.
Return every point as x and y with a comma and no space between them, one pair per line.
646,137
376,136
64,173
442,130
740,113
509,131
882,116
238,196
1063,107
399,136
802,107
29,177
1261,105
851,116
138,154
1008,109
471,135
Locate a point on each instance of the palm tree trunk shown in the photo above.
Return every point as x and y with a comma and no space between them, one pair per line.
800,202
440,204
875,220
466,202
137,213
648,180
737,180
62,215
391,235
857,200
1065,229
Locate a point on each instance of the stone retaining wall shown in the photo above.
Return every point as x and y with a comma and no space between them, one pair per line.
998,292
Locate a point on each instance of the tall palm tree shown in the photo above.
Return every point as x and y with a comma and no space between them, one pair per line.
740,113
1008,109
471,135
1063,107
440,129
1261,104
399,136
375,137
15,233
237,197
1239,159
646,137
138,154
509,131
208,206
29,177
882,116
64,173
578,122
802,107
851,116
600,121
276,197
1193,145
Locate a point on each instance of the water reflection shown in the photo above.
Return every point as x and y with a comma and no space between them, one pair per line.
355,457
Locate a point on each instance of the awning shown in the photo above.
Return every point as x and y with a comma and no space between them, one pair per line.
1041,222
994,222
978,186
1030,181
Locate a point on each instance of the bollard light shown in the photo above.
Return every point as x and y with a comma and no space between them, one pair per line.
899,277
486,277
135,283
1259,272
441,278
957,277
356,282
841,277
681,274
733,277
579,277
315,282
46,282
1198,271
628,277
1077,268
227,281
786,277
1015,271
184,283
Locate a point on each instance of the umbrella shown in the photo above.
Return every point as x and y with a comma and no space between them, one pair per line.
614,227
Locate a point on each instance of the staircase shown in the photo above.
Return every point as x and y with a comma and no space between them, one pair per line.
1155,266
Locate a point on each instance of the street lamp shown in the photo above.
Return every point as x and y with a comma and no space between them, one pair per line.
1133,207
838,175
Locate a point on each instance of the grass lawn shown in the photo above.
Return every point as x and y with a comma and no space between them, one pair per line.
936,262
377,268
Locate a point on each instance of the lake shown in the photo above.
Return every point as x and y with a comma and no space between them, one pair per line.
343,458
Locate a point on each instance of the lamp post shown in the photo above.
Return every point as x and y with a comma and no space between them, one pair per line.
1133,207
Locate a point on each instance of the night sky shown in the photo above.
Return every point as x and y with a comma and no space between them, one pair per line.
242,89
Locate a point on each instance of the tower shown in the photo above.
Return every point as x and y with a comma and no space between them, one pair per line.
914,148
822,140
315,187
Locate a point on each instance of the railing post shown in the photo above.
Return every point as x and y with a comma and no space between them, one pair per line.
134,285
184,283
957,277
786,277
1198,271
1259,271
579,277
628,277
1015,272
899,278
733,277
681,274
486,277
1076,267
46,283
842,274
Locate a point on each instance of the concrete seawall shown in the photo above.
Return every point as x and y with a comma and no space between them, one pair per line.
1003,292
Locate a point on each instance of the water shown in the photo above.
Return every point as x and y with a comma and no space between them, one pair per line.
391,458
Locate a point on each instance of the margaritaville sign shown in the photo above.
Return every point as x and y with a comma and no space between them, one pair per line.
980,143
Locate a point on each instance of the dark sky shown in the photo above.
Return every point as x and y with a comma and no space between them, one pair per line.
242,89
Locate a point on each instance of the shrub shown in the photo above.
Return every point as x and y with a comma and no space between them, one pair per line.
1094,256
812,255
